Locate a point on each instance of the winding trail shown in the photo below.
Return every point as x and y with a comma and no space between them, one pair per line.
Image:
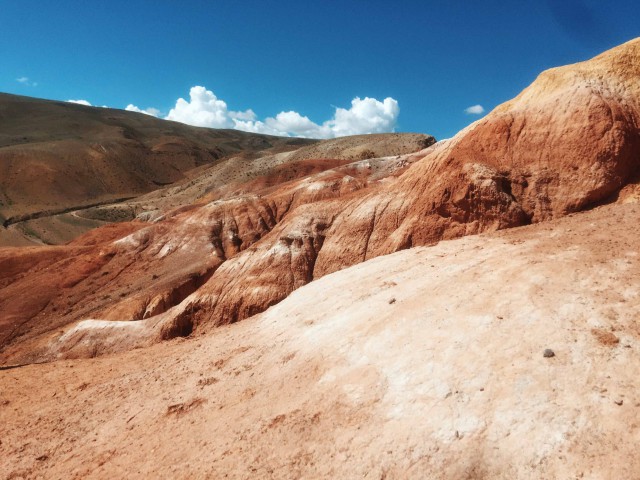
60,211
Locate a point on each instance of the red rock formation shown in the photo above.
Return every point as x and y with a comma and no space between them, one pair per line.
139,270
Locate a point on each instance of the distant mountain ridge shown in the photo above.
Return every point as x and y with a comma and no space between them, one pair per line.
58,155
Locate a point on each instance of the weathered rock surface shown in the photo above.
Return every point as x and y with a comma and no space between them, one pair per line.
138,270
449,381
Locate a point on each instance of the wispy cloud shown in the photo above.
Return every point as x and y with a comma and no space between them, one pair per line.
474,110
81,102
154,112
26,81
366,115
87,103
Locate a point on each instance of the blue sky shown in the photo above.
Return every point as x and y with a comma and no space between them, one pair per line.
431,60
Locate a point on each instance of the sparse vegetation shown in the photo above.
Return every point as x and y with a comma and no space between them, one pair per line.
30,232
366,154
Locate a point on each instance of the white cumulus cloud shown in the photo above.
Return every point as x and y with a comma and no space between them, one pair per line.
203,109
474,110
154,112
292,123
256,126
81,102
247,115
366,115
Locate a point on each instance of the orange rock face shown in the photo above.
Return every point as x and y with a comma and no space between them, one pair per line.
138,270
568,142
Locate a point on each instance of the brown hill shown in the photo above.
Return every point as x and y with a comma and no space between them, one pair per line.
569,142
58,156
241,173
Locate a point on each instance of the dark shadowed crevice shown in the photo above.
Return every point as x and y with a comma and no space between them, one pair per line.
177,294
182,326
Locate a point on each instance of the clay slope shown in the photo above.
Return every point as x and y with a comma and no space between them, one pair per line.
428,363
57,156
109,275
568,142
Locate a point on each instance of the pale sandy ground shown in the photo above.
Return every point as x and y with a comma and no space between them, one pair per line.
427,363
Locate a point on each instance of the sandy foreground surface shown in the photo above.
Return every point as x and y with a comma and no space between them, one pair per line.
427,363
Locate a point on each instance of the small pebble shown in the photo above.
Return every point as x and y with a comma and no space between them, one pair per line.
618,402
548,353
